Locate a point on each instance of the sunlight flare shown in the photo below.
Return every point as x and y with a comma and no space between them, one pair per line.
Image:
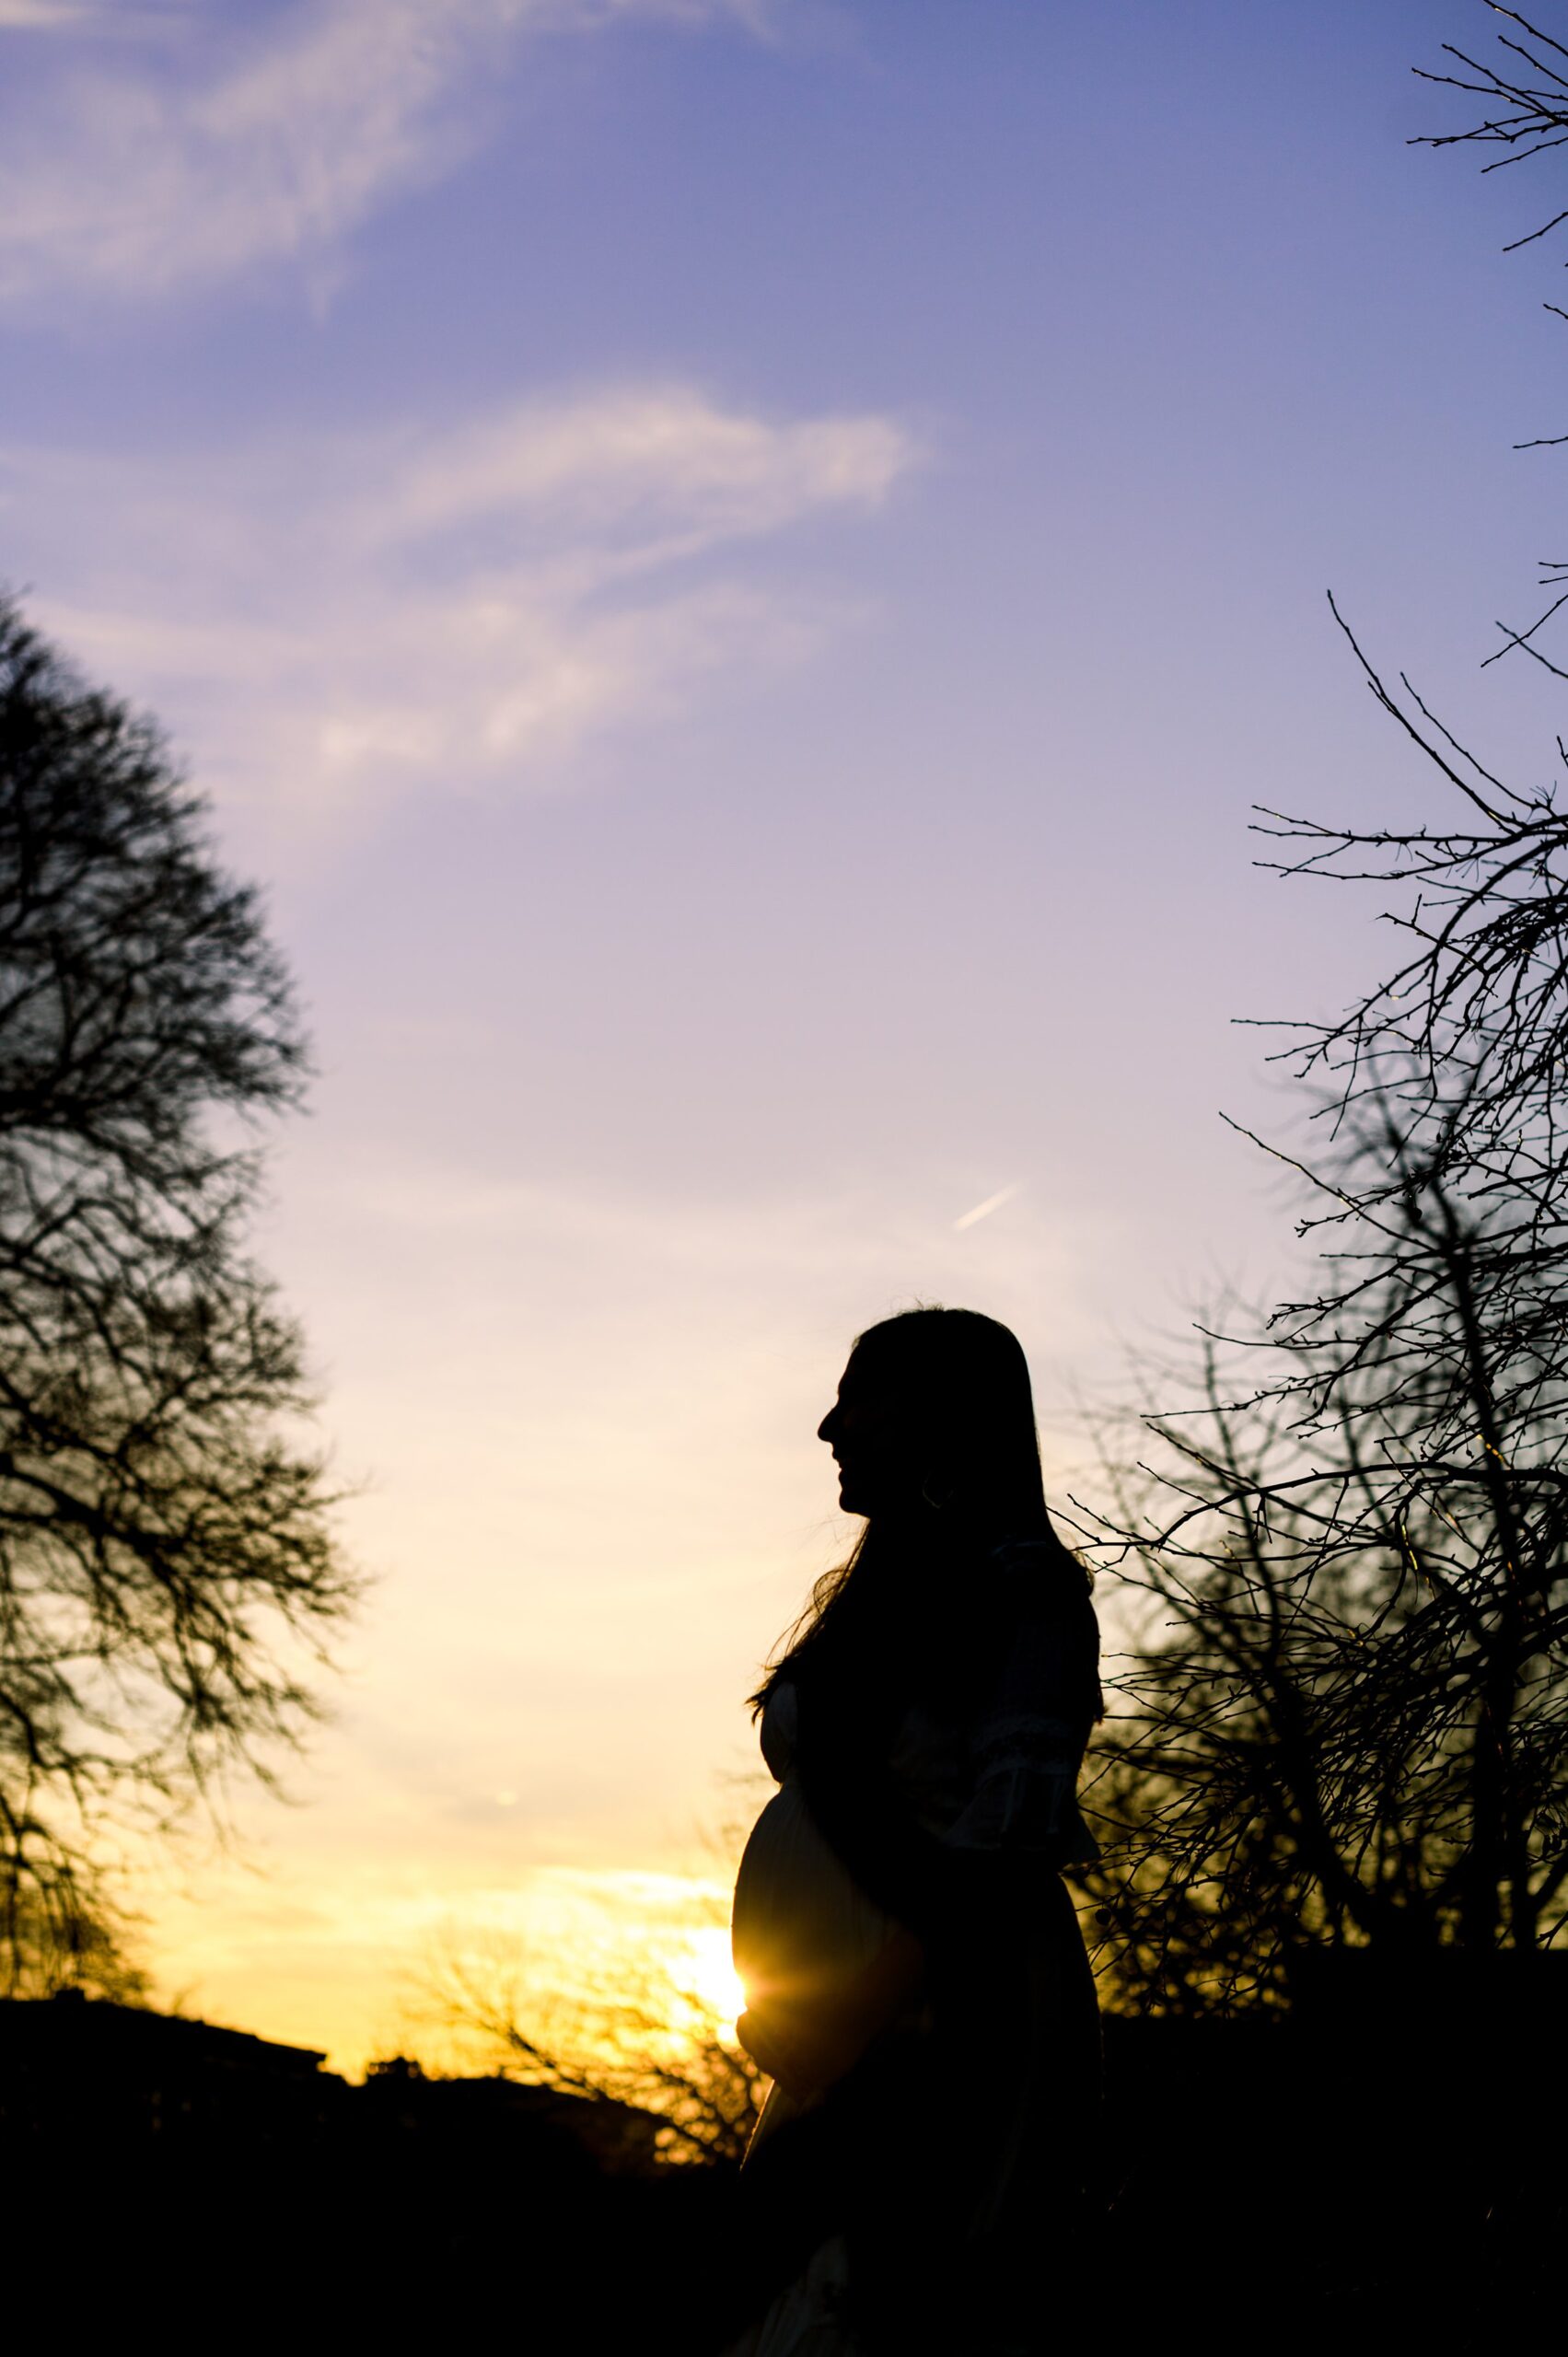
713,1980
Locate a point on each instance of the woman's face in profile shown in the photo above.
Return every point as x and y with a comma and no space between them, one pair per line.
870,1446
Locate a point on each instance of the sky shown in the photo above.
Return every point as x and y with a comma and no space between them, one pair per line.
735,569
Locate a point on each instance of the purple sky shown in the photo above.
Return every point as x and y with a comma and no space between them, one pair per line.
736,570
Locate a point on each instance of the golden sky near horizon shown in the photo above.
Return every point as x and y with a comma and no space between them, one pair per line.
540,1732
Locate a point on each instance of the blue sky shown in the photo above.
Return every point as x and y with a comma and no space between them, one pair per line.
735,571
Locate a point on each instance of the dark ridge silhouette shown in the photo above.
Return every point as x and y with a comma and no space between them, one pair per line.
265,2185
1380,2159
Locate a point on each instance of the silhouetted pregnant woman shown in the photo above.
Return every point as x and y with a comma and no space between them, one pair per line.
916,1982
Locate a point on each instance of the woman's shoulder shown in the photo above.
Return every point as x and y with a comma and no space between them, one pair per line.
779,1727
1037,1573
1045,1629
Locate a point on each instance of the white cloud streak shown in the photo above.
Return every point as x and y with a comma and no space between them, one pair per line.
329,624
236,138
984,1210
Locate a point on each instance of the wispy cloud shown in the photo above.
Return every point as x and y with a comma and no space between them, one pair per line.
344,619
244,135
43,16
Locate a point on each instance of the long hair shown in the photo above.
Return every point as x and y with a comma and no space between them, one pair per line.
959,1384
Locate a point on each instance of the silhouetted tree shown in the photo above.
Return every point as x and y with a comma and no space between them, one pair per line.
636,2035
167,1572
65,1929
1347,1718
1350,1723
1527,98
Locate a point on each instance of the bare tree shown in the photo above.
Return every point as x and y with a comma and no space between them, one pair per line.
167,1575
634,2036
1352,1725
1527,100
1347,1722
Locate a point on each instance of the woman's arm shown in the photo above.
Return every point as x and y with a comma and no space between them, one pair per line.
1028,1736
858,1807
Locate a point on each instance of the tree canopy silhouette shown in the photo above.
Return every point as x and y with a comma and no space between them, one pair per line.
1348,1722
1353,1725
1527,103
168,1572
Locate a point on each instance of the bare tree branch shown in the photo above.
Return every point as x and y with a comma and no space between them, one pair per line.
167,1576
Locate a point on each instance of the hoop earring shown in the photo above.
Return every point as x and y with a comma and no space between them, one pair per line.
936,1505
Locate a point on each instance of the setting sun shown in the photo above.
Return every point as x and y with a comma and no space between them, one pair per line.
712,1978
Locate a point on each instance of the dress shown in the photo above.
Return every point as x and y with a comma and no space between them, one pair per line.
957,2139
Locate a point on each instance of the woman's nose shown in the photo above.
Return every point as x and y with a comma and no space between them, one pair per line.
824,1429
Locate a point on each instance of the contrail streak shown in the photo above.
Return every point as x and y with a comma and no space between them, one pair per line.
992,1203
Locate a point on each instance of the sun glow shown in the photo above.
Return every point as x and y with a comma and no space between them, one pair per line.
611,1968
711,1977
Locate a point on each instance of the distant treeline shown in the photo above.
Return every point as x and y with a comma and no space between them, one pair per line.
1379,2159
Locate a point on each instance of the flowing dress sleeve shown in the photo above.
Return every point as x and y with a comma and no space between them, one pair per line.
1016,1823
1032,1722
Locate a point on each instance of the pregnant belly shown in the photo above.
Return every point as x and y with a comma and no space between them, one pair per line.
800,1924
